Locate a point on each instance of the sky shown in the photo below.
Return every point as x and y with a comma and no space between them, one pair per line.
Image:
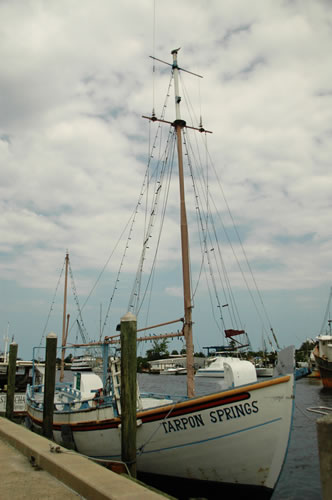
75,80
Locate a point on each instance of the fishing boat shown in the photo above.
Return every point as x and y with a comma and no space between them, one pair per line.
323,358
323,350
235,438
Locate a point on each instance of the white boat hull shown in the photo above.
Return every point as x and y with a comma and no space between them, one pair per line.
208,438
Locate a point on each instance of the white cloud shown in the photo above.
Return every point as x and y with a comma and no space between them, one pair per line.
75,82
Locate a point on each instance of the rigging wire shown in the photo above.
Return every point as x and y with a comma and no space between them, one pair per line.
52,303
80,322
145,184
168,164
203,228
159,166
104,266
246,260
153,60
191,113
230,300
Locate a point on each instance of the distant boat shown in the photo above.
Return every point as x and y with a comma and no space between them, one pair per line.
302,370
264,371
313,368
215,367
215,364
323,359
323,351
177,370
83,363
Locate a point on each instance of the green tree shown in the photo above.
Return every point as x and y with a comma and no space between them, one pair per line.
303,353
158,351
142,364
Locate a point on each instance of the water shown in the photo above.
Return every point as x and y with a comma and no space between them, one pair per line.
300,477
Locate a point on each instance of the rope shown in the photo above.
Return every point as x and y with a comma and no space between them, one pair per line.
141,448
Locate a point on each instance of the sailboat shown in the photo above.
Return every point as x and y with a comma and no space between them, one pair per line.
236,438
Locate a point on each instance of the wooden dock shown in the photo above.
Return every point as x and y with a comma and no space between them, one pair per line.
32,466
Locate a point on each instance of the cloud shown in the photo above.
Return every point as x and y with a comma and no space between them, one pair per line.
73,144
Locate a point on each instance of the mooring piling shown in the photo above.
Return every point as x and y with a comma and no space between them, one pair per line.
324,435
128,391
11,381
49,384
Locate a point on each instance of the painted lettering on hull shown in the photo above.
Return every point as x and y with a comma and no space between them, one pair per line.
183,423
236,411
216,416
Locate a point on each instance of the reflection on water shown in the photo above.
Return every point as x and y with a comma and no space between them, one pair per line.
300,478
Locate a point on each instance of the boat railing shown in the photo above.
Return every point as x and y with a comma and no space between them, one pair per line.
67,398
84,404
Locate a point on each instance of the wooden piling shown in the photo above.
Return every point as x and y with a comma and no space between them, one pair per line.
11,381
128,391
49,385
324,435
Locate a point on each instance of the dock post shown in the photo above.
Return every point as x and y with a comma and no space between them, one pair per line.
128,391
11,381
49,385
324,435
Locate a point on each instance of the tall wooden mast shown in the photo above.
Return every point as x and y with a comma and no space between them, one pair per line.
179,124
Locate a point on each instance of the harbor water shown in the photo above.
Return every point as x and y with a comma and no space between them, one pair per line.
300,477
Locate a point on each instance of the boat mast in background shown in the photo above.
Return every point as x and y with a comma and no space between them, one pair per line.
6,340
64,329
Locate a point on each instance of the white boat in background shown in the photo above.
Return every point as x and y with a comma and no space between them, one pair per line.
83,363
177,370
215,367
237,437
264,371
